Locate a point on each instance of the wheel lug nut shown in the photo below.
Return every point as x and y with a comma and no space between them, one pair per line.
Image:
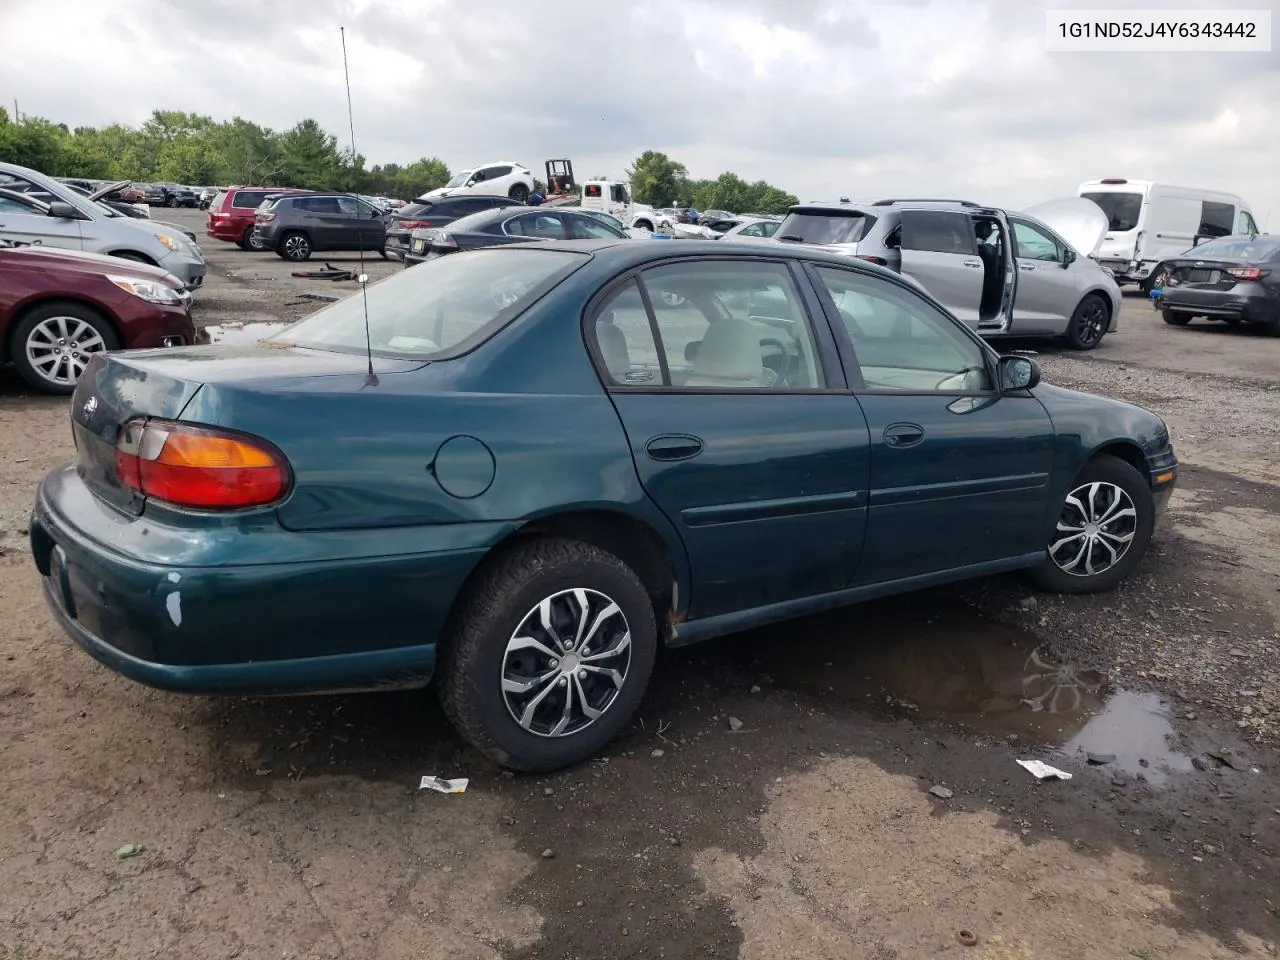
582,674
555,663
564,681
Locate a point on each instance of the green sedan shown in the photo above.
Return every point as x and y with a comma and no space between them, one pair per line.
515,472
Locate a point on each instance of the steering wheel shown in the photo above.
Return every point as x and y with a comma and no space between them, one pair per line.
788,362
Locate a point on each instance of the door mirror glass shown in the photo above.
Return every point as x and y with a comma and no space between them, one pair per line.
62,210
1068,257
1018,373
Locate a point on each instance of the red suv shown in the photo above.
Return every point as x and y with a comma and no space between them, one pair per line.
231,214
58,308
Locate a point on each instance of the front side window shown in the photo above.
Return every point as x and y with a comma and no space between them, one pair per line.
439,304
589,228
349,206
732,325
901,341
11,205
1033,243
1246,223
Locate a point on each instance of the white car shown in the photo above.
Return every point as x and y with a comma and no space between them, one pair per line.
503,178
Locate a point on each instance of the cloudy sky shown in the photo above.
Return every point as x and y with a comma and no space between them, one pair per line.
822,97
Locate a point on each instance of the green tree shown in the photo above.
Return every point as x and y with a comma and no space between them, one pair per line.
656,179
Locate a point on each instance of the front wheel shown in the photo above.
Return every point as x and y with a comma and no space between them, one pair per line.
1089,323
519,193
55,342
644,225
249,240
548,655
1102,530
1174,318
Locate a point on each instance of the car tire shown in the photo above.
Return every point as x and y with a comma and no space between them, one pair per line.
519,193
41,325
134,257
1175,318
479,656
249,241
644,225
1089,322
1111,504
294,246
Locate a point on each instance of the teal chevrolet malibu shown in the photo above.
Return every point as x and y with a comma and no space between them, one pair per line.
518,471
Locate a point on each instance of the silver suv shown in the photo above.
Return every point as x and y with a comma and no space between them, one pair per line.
73,221
1001,272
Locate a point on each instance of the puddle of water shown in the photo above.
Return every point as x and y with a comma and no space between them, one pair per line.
246,333
939,659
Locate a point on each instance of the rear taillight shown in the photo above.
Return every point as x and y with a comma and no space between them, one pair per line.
1247,273
414,224
200,467
880,261
265,217
443,241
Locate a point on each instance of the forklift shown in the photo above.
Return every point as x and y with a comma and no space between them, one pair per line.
561,187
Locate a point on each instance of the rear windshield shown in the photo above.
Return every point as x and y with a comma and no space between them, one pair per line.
1239,248
822,226
249,199
1122,209
415,209
435,306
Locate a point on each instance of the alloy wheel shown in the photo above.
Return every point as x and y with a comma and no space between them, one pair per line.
1095,529
1092,323
59,348
566,663
296,247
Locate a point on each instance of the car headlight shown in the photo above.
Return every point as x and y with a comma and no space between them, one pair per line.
148,290
173,243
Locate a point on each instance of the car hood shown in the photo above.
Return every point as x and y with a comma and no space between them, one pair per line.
95,263
1078,221
109,188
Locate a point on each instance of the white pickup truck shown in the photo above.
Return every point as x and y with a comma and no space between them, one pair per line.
614,197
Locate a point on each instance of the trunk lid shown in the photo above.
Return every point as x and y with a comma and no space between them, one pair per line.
1077,220
118,387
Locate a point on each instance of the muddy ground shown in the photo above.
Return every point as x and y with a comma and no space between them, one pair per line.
864,802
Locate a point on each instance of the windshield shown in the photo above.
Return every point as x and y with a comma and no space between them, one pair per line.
459,179
820,226
1238,248
433,307
1122,209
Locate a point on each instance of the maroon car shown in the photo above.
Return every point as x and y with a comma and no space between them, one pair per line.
59,307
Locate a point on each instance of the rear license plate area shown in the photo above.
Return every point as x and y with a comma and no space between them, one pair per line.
1202,276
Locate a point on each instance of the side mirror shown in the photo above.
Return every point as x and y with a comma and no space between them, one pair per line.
62,210
1068,258
1017,373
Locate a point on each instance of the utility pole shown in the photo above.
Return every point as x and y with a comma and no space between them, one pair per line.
15,110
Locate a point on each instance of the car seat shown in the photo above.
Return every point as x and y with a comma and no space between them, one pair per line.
729,356
613,348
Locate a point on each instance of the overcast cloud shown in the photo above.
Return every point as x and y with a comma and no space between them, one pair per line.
821,97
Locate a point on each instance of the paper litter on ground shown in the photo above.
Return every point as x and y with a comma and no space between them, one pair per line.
1042,771
441,785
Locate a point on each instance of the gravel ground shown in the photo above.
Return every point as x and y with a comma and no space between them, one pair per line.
841,786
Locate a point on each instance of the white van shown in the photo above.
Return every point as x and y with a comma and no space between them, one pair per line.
1151,221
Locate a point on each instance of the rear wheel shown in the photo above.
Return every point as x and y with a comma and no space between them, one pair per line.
548,655
519,193
54,342
250,241
294,246
644,225
1089,323
1102,530
1175,318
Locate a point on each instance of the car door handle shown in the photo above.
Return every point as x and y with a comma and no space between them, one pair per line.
673,446
973,263
1026,266
901,435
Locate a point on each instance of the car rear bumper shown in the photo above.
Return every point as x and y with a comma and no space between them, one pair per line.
229,230
332,621
1250,304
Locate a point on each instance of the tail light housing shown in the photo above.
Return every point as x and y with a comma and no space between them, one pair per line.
1247,273
265,217
442,241
414,224
200,467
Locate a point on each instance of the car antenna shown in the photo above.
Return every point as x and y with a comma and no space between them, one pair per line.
371,378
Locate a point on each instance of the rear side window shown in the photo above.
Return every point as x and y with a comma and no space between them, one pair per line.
439,305
492,173
218,198
470,205
591,190
419,208
937,231
248,199
826,226
1216,219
